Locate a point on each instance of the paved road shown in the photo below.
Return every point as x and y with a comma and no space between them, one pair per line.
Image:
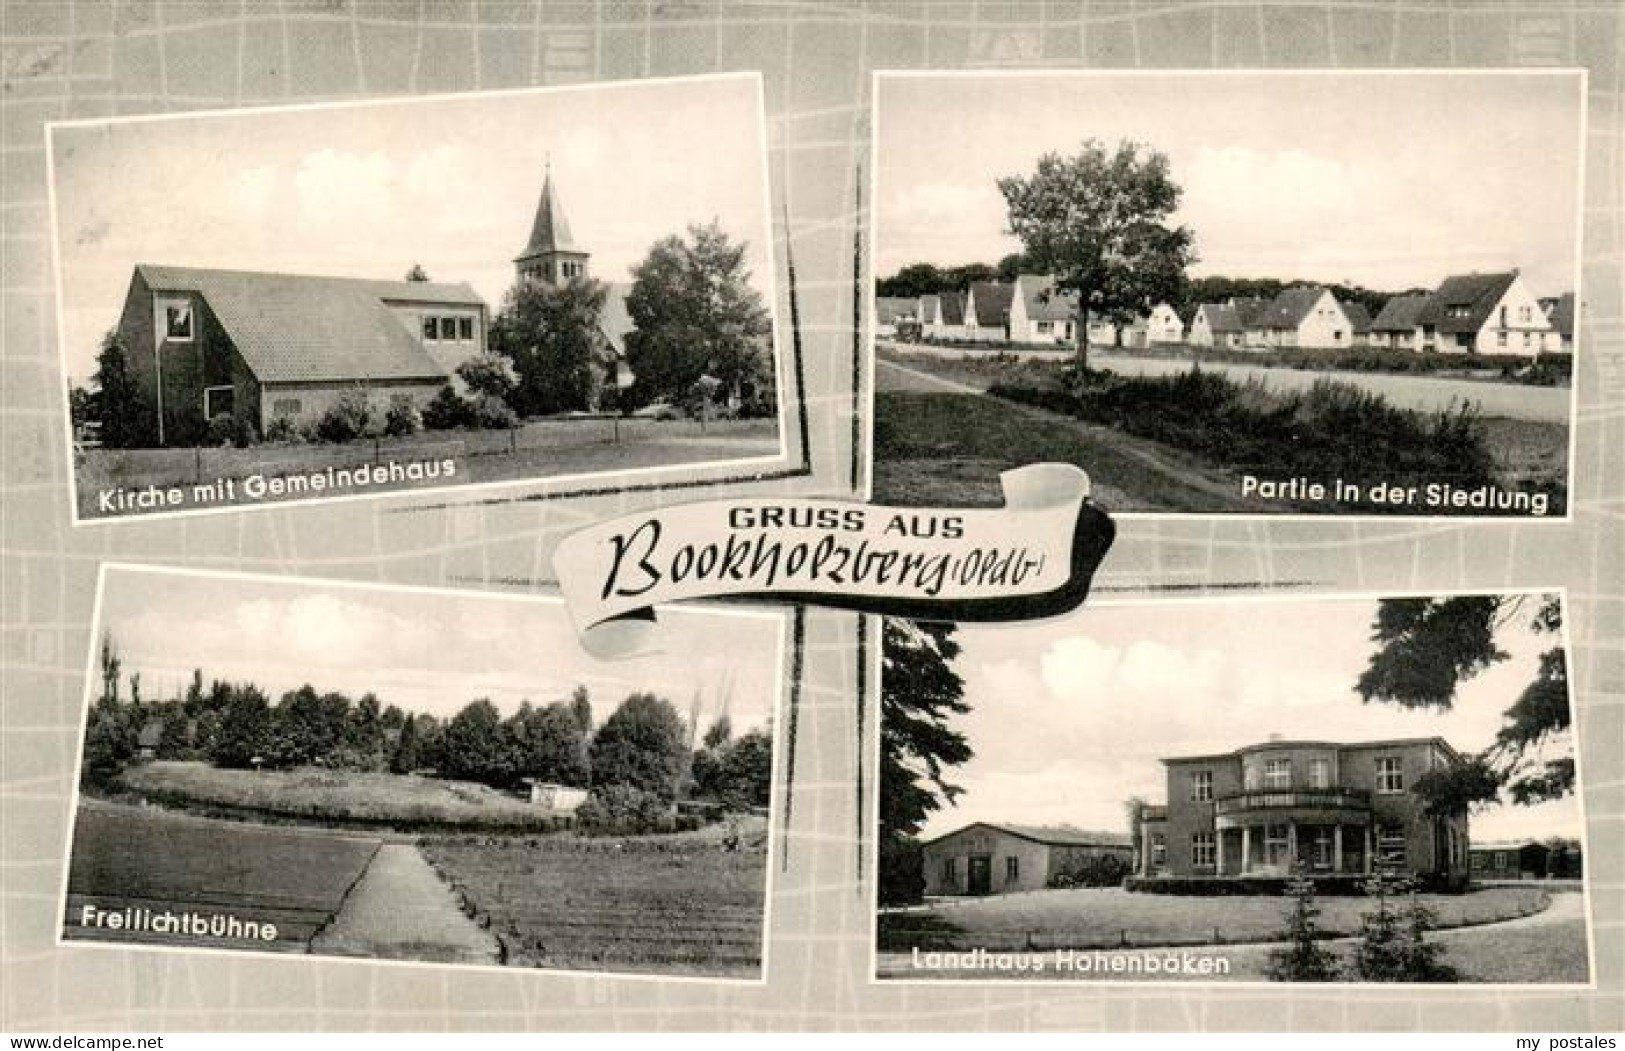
400,910
1428,393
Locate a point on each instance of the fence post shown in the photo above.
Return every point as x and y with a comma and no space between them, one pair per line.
617,424
375,454
197,464
513,441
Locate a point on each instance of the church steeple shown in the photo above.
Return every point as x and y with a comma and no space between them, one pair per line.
551,255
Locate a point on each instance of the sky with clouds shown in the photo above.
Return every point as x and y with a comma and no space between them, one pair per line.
1385,180
425,651
1069,718
368,190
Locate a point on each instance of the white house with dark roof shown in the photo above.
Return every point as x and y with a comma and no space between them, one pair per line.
1042,314
1303,316
258,346
1483,314
987,311
1395,326
1560,312
942,316
1001,858
1164,326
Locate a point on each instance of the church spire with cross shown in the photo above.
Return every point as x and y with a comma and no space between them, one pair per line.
551,256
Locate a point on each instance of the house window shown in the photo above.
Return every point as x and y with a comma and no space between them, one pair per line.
1323,848
1202,786
1277,840
217,400
1249,777
1391,846
1159,850
1320,773
465,328
286,407
1278,773
1390,774
431,328
1501,338
1044,326
1478,862
178,322
1202,849
1524,316
1012,869
948,874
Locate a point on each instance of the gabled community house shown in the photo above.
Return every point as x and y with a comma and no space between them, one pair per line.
258,347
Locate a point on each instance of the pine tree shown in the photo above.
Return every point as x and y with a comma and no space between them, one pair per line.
1303,958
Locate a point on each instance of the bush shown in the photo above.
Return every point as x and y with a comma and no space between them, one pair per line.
1241,886
1334,430
622,810
347,418
1393,946
448,411
226,429
1098,870
283,429
402,419
492,413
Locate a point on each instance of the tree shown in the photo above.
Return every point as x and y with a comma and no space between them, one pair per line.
417,273
108,659
1393,946
175,736
1426,647
737,773
110,744
406,757
696,314
548,745
489,374
581,708
1302,957
124,411
553,335
719,733
644,745
245,727
475,747
1100,221
920,693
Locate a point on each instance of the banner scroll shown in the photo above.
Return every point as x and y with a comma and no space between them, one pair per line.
1034,557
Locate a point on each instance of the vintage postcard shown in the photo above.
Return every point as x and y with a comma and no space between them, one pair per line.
1230,292
336,301
1357,789
273,764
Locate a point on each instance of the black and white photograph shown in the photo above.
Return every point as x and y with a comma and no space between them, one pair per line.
407,774
335,301
1230,293
1352,789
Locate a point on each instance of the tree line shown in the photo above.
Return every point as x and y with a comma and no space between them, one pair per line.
643,755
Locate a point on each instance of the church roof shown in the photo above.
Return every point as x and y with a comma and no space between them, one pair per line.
297,328
549,232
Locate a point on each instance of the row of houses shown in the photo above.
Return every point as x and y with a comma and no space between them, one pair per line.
1486,314
1266,809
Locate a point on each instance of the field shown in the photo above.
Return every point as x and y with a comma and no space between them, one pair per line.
644,905
295,880
333,797
1112,918
539,450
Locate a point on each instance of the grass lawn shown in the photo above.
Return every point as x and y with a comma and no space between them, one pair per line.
945,449
333,797
162,861
652,904
539,450
1111,917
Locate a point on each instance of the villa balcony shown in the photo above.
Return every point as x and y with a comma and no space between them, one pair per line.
1304,805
